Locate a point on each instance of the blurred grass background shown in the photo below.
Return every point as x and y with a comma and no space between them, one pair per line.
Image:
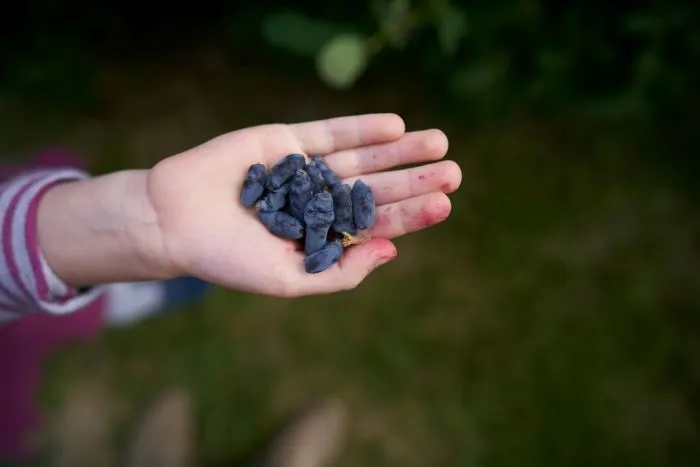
554,319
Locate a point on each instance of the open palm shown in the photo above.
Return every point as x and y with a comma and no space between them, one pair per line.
206,232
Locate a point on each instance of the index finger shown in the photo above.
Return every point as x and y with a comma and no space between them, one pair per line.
322,137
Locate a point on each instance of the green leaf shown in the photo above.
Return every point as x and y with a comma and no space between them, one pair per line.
393,17
342,60
297,33
452,26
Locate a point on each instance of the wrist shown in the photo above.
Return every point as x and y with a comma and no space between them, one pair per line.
102,230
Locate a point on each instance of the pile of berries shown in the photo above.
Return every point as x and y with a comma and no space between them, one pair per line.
307,201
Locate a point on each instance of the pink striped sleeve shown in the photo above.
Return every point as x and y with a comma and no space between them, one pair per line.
27,283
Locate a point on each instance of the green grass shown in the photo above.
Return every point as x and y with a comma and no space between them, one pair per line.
552,320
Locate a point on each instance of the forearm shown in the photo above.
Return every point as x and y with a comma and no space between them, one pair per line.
100,230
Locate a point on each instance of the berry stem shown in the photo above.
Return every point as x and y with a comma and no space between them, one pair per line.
349,239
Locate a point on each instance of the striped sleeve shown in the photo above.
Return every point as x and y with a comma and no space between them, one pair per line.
27,283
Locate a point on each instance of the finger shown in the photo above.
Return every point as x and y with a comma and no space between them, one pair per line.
411,215
413,147
393,220
337,134
355,265
389,187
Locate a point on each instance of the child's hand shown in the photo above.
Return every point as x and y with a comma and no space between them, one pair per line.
184,216
206,232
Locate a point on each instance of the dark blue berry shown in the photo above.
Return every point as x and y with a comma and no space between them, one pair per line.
282,224
275,199
318,217
323,258
284,170
342,206
331,178
253,185
363,205
318,183
299,194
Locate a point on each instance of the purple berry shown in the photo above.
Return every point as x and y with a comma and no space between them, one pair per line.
299,194
282,224
318,183
342,205
253,185
318,217
323,258
363,205
284,170
275,199
332,179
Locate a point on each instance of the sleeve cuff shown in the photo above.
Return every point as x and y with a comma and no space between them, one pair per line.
30,281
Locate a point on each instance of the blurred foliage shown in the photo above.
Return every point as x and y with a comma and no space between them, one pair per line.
614,59
621,59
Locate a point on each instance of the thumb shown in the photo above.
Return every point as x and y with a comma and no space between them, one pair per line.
360,260
357,263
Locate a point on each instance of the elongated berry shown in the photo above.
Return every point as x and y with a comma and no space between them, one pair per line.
318,217
342,207
332,179
318,183
253,185
299,194
275,199
284,170
323,258
282,224
363,205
